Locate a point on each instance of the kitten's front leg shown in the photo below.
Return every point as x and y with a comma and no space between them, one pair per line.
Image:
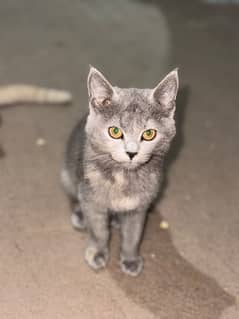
132,226
96,253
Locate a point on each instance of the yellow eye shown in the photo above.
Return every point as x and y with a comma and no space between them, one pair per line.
149,135
115,132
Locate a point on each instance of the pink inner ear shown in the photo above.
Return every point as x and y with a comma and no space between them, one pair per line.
165,98
98,86
165,93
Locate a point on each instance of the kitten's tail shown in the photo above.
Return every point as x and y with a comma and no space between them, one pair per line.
21,93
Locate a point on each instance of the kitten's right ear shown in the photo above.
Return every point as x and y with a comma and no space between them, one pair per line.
166,91
99,89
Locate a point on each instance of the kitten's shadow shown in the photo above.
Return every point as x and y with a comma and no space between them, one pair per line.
169,287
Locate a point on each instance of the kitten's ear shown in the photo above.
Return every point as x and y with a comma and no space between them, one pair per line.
99,89
166,91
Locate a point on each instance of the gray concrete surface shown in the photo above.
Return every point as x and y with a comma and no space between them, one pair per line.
191,270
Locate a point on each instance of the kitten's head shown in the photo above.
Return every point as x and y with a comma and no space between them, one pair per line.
131,126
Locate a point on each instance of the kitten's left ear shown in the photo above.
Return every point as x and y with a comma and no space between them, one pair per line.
99,89
166,91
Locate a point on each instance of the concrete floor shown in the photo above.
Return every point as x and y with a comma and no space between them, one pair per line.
192,269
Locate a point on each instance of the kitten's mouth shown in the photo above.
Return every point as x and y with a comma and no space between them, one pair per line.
135,165
131,164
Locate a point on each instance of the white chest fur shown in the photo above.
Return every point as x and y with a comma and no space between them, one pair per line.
120,201
111,192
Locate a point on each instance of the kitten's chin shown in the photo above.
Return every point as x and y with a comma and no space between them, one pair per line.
124,163
130,165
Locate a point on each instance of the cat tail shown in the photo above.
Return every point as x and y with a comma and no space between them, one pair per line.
21,93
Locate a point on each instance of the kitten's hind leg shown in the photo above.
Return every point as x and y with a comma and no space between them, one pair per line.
77,217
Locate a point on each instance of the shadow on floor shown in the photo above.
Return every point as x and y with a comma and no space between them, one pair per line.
170,287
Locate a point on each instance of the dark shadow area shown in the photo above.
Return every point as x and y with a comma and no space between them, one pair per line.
185,9
170,286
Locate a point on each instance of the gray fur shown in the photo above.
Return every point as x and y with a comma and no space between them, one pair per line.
100,178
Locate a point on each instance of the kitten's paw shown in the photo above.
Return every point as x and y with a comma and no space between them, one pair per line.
77,220
132,267
96,259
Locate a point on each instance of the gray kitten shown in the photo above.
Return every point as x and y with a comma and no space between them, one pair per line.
113,164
